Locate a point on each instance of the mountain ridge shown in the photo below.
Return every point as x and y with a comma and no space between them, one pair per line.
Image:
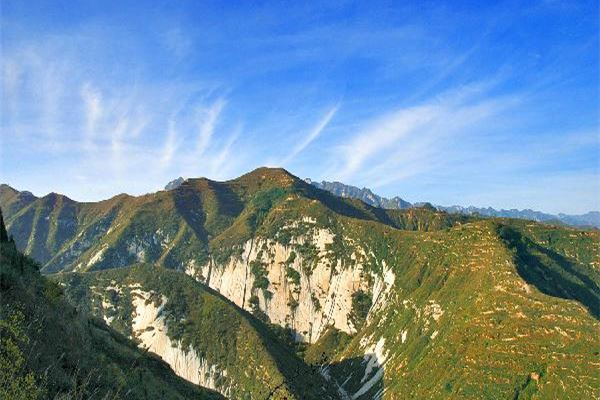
411,303
591,218
50,350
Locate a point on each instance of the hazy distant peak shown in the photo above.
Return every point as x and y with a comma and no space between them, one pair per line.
364,194
174,184
589,219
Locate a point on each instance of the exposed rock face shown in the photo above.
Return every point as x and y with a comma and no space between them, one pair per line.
375,357
322,295
149,327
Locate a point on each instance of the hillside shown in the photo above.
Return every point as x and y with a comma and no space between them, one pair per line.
48,349
413,303
205,339
471,316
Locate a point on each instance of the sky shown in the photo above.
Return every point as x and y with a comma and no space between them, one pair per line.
470,103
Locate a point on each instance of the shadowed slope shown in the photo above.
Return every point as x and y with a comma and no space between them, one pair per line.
244,356
48,348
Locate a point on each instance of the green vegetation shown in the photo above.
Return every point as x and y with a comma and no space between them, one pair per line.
361,304
16,380
200,219
478,308
50,350
217,331
459,322
292,275
328,347
551,272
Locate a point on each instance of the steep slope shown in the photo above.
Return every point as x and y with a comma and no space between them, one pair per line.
50,350
204,338
465,319
13,200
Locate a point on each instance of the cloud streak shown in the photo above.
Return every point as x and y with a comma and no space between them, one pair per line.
92,100
209,118
110,135
312,135
413,140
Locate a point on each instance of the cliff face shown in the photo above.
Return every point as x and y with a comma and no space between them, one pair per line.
307,304
203,337
150,328
306,295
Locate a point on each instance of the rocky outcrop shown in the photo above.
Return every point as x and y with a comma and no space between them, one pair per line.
149,327
304,295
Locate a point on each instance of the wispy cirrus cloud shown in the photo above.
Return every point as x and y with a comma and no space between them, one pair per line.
104,130
209,117
171,145
311,136
127,105
92,100
413,140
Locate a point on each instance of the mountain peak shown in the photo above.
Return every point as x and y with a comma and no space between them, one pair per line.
268,175
174,184
270,171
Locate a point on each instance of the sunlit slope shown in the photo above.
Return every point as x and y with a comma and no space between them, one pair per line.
170,228
470,317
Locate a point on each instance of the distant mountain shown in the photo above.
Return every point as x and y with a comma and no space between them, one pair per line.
590,219
174,184
364,194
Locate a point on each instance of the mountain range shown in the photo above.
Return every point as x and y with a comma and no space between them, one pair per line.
589,219
269,287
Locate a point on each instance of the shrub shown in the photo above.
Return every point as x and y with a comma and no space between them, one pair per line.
361,304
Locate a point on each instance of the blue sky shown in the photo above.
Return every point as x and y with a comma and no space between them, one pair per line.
448,102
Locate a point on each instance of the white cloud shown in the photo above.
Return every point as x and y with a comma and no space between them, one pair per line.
170,146
92,101
220,164
413,140
209,118
312,135
115,129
